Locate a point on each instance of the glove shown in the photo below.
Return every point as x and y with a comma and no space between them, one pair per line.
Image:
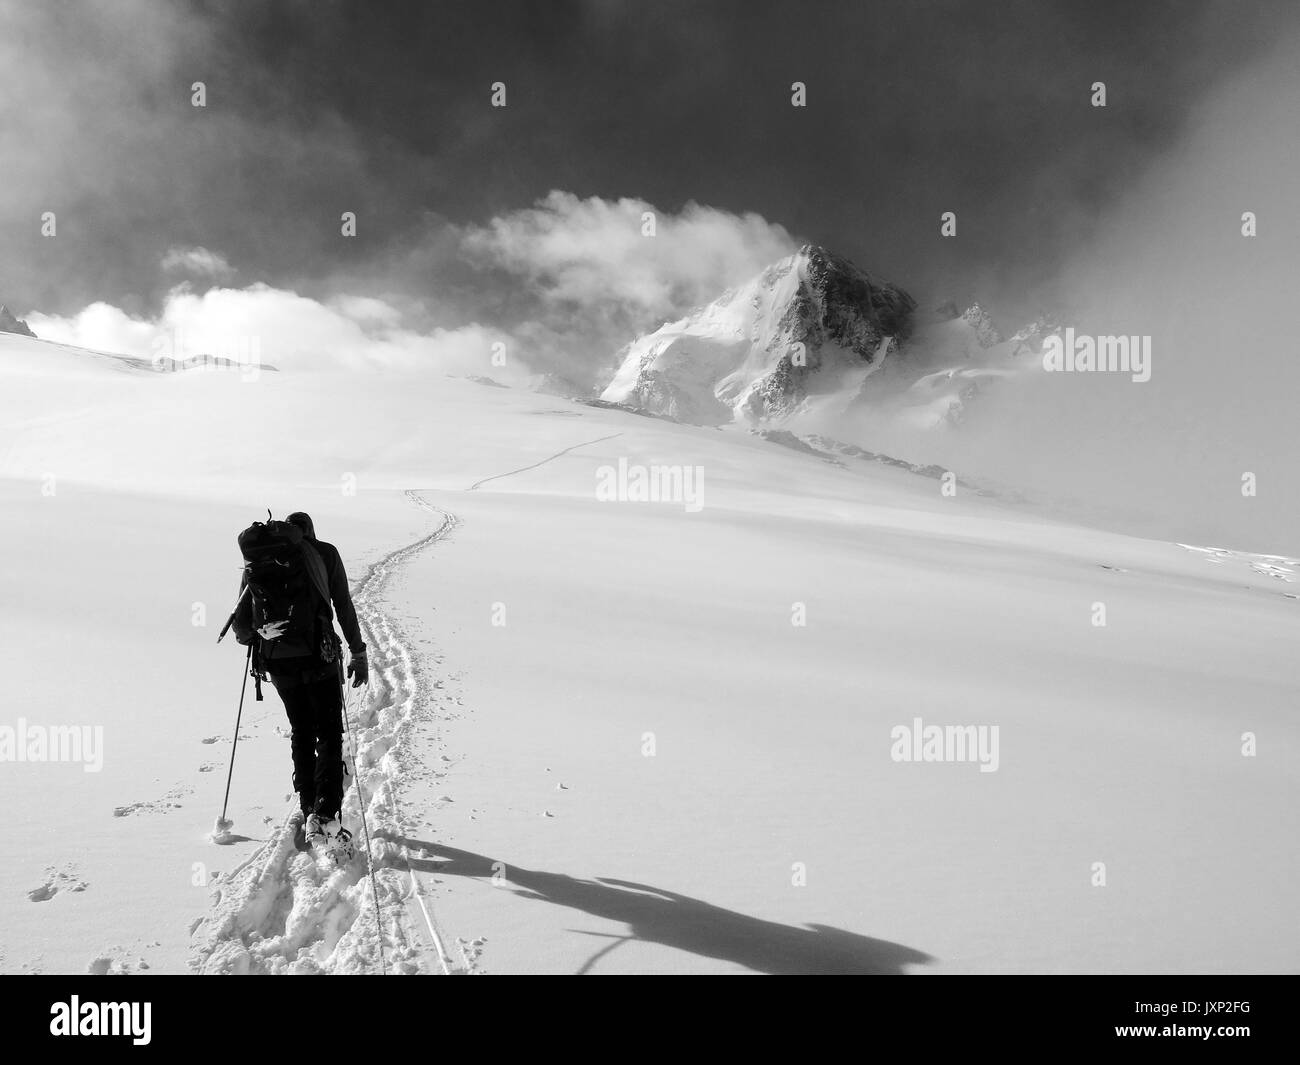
273,630
359,669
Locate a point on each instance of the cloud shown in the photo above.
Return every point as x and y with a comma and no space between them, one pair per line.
282,329
594,251
588,278
95,111
198,261
564,283
1171,262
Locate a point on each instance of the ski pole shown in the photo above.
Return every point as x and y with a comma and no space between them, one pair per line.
231,620
222,827
365,830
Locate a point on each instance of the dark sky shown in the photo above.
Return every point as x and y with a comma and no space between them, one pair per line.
314,108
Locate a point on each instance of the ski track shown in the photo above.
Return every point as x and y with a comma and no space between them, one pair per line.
543,462
282,910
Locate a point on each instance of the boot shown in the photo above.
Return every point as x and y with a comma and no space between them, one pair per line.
338,840
314,831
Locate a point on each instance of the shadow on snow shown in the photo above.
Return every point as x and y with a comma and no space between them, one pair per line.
654,915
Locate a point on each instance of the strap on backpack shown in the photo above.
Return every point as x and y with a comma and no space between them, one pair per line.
259,670
315,566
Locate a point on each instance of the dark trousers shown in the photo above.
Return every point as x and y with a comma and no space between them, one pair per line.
315,708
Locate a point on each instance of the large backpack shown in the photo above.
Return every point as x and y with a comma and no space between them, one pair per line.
285,580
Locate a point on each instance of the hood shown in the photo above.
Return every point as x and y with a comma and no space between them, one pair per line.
303,521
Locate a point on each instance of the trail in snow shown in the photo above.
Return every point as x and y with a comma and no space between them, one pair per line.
281,911
543,462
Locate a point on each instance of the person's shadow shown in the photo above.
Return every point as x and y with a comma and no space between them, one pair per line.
654,915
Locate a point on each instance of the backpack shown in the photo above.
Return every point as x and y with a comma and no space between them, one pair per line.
286,582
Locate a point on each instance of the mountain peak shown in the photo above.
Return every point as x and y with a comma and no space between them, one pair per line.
978,319
821,260
803,328
815,253
10,323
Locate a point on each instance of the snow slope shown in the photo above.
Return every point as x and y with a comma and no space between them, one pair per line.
595,741
1119,744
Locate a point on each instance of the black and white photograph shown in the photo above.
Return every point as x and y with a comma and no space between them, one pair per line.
592,487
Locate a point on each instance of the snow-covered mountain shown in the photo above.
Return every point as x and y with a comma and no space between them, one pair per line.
814,337
809,326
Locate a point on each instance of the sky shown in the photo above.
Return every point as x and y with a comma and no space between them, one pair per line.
521,225
315,108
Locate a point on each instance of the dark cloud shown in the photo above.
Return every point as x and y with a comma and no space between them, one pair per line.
316,108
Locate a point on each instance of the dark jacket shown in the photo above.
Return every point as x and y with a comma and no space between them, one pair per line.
336,580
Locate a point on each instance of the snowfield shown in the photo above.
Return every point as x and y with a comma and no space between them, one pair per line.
620,736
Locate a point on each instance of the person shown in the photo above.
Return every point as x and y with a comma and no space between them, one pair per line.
309,682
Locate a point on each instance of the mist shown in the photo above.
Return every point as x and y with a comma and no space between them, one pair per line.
1167,457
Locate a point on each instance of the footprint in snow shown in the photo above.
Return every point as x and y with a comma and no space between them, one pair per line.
170,801
107,965
56,882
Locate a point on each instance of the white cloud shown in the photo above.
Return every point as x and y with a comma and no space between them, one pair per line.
592,251
594,281
367,310
199,261
568,282
283,329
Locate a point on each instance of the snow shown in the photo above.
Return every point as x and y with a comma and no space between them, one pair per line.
707,367
648,766
712,361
